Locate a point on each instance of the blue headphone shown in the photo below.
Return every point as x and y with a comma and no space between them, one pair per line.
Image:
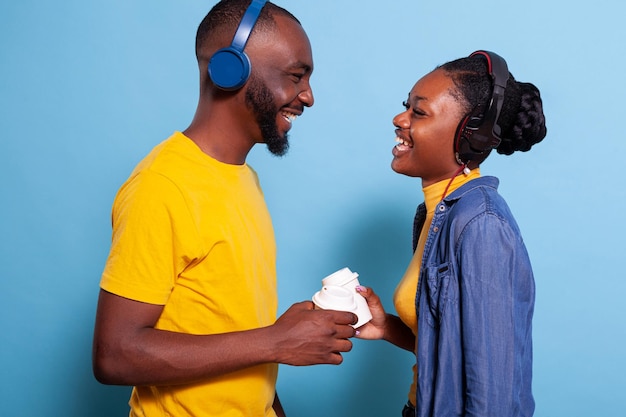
229,68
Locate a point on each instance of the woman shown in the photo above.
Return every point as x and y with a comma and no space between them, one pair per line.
465,303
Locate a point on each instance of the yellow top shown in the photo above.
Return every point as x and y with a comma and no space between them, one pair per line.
404,295
194,235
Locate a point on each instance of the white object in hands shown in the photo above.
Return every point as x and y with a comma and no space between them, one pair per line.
333,297
346,279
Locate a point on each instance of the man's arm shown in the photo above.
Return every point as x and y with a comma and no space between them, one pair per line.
128,350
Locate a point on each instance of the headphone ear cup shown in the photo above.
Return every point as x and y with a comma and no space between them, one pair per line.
229,69
461,137
473,143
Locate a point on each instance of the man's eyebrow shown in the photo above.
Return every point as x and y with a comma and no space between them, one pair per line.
302,65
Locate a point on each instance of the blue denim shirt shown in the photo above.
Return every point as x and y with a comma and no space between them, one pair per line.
474,302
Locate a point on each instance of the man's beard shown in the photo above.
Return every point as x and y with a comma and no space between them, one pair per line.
260,99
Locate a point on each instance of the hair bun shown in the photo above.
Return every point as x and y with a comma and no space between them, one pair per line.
529,126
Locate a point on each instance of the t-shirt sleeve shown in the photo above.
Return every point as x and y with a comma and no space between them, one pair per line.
154,239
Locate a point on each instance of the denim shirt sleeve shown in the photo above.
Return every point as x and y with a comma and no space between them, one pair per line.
496,296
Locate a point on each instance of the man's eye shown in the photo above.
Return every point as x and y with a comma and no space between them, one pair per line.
405,105
297,77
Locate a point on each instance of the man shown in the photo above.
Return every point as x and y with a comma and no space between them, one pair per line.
187,306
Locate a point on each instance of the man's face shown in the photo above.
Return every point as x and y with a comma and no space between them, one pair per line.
261,101
278,88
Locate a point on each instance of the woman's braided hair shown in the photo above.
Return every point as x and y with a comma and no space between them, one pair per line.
521,119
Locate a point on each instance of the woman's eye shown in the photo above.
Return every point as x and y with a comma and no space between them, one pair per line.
416,111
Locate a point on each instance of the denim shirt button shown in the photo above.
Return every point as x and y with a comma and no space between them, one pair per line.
435,229
442,207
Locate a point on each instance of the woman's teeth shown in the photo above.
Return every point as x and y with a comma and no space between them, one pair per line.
402,144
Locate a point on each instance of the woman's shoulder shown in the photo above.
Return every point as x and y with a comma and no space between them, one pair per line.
479,198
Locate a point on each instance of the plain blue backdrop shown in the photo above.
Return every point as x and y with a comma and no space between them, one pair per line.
89,87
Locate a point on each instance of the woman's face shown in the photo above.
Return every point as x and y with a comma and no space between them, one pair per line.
425,130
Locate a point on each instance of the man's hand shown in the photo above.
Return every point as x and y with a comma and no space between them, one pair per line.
307,336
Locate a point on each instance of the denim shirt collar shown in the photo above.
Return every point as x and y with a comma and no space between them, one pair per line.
449,200
486,181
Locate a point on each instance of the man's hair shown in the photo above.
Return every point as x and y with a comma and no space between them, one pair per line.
218,27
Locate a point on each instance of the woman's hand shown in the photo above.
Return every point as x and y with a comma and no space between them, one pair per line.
384,326
375,328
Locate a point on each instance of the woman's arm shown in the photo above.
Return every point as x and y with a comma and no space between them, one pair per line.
278,407
383,325
496,300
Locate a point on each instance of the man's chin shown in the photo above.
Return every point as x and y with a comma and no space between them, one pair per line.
278,146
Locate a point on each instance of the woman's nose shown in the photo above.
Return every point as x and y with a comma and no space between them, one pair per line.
401,120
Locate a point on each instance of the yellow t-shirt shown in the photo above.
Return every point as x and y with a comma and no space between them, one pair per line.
194,235
404,295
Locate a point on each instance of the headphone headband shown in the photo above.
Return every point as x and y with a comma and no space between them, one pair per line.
499,73
229,68
247,24
479,132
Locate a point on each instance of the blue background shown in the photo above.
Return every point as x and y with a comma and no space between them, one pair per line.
88,88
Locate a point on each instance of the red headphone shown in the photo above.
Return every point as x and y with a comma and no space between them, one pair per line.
479,132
